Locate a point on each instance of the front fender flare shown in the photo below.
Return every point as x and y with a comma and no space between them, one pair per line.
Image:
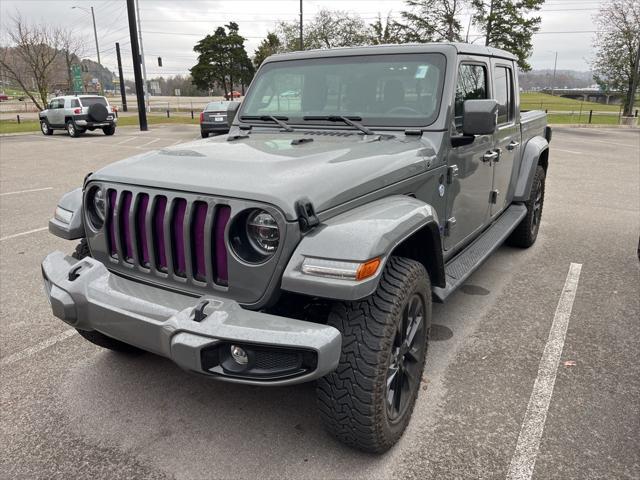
530,156
366,232
72,202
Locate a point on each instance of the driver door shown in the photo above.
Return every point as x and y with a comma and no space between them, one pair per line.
470,177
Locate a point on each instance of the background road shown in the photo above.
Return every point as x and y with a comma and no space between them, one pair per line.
70,409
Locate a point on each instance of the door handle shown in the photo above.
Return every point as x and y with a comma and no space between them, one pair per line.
491,156
513,145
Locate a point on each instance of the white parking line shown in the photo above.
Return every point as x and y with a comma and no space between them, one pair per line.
26,191
27,352
125,140
567,151
149,142
526,452
23,233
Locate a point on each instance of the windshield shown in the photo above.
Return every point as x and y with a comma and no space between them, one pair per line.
217,106
88,101
383,90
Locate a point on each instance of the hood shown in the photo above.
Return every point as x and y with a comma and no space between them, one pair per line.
333,168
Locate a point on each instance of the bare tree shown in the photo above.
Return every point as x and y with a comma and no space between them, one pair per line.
616,64
32,57
73,47
432,20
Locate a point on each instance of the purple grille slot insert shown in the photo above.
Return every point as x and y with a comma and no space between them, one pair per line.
177,236
158,232
141,228
197,240
111,221
125,230
219,247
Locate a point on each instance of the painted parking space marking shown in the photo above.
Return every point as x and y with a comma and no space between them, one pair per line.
526,452
26,191
8,237
27,352
567,151
125,140
149,142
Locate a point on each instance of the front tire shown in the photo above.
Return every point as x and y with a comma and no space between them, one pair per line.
526,232
45,128
368,400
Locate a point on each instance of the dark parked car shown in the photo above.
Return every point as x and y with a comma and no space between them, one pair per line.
217,117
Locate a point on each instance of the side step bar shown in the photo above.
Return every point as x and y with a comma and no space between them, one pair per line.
458,269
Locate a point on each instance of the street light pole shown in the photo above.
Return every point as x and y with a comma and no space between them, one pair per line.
95,30
137,73
144,67
553,82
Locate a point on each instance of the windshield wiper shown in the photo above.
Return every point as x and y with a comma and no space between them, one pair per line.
270,118
352,121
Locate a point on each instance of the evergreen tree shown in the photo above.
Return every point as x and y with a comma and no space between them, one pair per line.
269,46
506,24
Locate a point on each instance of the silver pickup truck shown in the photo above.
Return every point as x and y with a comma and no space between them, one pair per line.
355,187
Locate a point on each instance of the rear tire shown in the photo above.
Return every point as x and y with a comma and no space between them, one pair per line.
110,130
204,134
368,400
72,130
526,232
109,343
45,128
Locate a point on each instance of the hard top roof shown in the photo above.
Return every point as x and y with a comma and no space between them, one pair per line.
439,47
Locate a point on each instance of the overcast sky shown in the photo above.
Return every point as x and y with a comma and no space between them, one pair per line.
170,28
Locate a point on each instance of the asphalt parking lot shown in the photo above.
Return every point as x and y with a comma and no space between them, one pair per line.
72,410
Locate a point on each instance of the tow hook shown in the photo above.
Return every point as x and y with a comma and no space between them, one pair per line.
74,273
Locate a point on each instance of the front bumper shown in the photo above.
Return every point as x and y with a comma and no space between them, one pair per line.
87,296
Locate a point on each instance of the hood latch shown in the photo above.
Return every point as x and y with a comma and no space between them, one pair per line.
307,217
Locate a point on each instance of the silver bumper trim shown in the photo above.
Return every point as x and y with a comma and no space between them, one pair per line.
162,321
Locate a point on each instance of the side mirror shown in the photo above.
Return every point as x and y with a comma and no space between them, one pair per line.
480,117
232,109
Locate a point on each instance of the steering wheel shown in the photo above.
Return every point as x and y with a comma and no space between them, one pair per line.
404,109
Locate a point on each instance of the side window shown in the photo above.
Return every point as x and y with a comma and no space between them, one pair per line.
75,103
472,85
503,81
60,103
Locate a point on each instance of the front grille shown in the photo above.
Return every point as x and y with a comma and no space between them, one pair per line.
168,235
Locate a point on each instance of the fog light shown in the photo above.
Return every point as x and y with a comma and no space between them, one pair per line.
239,355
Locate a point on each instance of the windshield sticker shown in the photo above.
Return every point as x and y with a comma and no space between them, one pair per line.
421,71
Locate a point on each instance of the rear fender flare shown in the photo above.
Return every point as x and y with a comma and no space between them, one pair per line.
530,156
366,232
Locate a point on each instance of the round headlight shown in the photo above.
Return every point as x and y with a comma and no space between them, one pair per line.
96,207
263,232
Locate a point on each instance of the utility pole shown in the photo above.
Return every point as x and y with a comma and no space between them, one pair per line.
144,67
553,82
135,53
489,25
301,38
123,91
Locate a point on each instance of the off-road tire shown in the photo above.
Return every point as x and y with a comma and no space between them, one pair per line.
45,128
110,130
352,399
109,343
98,112
82,250
526,232
204,134
73,130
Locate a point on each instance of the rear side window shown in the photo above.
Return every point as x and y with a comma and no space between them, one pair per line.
503,81
472,85
88,101
75,103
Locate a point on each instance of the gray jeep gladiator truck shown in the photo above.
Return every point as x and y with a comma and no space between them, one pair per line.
309,243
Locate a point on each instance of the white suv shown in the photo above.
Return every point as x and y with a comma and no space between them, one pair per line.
77,114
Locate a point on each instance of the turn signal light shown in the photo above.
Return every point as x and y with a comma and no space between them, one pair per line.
368,269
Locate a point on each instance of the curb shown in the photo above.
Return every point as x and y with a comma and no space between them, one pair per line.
587,125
